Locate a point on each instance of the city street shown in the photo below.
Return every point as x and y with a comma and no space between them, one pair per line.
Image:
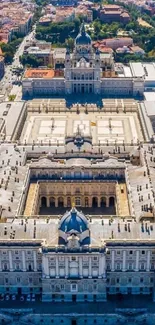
8,79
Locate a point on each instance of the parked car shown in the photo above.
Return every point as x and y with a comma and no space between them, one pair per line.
13,297
33,297
22,298
28,298
7,297
2,297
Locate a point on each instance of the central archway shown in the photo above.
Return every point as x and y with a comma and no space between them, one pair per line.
60,202
112,201
95,202
52,202
103,202
43,202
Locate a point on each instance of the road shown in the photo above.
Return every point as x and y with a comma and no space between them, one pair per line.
9,77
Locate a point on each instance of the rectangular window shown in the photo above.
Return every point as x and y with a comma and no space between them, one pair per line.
73,258
16,252
143,252
18,280
118,252
95,258
73,287
6,280
62,287
30,280
131,252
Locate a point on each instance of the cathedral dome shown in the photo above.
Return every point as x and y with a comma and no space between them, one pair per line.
83,38
73,221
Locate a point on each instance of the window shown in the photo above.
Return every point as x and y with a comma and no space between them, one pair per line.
143,252
131,252
30,280
62,287
77,201
73,287
118,252
73,258
117,280
5,267
142,266
95,258
4,252
6,280
151,280
18,280
141,280
16,252
118,266
129,280
130,266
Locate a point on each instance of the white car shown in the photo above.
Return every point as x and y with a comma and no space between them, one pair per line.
28,298
7,297
33,297
13,297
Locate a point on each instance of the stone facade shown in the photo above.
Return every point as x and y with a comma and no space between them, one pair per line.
72,275
83,74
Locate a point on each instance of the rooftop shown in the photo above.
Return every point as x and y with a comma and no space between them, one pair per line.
39,73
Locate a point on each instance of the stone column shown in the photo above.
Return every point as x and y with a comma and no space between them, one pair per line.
99,201
80,267
48,201
66,267
45,266
90,269
107,202
56,202
124,261
35,260
102,266
137,261
113,261
23,261
148,261
57,267
10,261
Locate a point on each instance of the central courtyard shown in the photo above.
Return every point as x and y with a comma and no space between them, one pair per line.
112,124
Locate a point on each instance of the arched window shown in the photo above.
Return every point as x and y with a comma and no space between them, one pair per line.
43,201
78,201
60,202
52,202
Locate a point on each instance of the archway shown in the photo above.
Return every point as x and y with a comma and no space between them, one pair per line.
111,201
68,202
43,202
52,202
103,202
94,202
86,202
60,202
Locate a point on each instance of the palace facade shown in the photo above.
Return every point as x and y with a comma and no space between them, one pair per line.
82,72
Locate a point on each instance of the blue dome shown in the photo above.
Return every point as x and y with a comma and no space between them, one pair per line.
73,220
83,38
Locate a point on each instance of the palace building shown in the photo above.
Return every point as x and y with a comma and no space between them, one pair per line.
85,71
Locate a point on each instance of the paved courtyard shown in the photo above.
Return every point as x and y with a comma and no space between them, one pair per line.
103,127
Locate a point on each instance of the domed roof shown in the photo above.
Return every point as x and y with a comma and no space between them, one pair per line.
83,38
73,220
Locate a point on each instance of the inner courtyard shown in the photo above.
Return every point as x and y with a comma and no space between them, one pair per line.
117,122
